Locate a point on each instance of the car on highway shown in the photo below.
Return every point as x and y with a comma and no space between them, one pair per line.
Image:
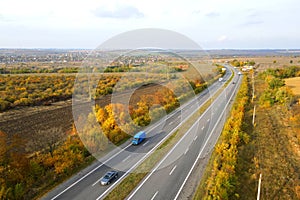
109,177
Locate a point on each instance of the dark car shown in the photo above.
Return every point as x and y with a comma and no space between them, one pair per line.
109,177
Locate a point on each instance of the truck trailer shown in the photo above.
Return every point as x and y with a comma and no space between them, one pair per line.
139,137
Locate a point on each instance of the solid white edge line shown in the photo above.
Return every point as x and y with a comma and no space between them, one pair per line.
172,169
153,197
177,195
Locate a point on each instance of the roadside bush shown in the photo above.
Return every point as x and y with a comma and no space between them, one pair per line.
222,179
276,91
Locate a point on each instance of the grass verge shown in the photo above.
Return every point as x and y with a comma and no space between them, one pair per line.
273,151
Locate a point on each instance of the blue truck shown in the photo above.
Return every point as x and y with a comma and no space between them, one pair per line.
139,137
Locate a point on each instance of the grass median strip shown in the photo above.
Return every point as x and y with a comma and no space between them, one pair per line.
122,190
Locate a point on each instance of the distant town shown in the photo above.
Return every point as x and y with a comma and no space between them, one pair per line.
8,56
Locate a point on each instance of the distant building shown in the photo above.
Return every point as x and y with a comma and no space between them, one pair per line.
247,68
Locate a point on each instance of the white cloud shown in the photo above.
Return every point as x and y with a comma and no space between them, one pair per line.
212,14
217,22
121,12
252,23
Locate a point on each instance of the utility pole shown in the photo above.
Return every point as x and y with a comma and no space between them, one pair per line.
253,86
253,94
253,123
259,186
253,119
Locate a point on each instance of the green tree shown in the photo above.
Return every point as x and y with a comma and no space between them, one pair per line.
276,83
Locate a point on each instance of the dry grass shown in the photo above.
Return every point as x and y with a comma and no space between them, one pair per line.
294,84
199,70
266,62
272,151
275,61
277,160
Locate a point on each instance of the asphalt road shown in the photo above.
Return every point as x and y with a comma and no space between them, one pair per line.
85,185
168,178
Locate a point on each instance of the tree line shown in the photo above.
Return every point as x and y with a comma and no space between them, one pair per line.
31,90
238,63
277,91
24,176
222,180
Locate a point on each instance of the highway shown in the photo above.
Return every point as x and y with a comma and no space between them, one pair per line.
168,178
174,167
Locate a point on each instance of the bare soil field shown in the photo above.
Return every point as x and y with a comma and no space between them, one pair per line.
25,122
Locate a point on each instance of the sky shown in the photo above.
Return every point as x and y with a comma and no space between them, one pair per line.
213,24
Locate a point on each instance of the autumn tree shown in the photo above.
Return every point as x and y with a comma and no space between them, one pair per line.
14,167
222,181
92,135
